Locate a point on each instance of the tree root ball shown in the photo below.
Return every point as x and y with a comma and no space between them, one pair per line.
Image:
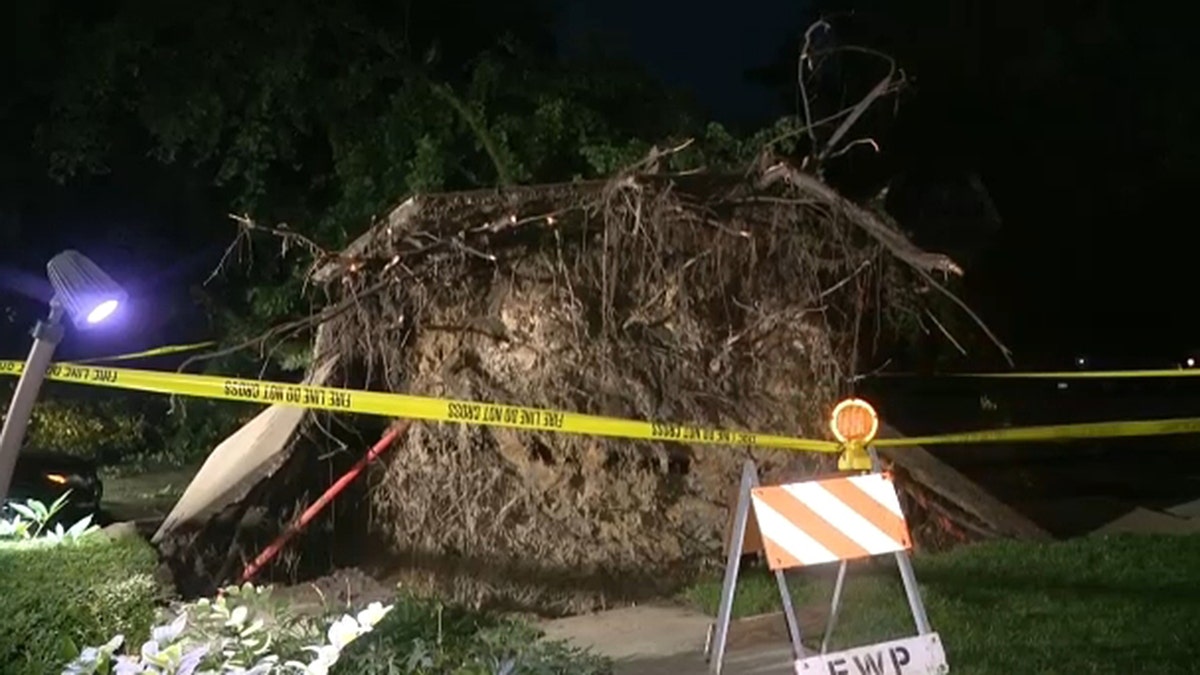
691,300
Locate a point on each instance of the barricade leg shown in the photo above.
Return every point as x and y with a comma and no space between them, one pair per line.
789,615
720,632
913,592
835,606
904,563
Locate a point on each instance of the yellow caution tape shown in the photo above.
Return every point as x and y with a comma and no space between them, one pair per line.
1054,433
535,419
150,353
410,407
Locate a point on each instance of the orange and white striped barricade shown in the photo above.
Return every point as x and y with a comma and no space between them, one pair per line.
817,522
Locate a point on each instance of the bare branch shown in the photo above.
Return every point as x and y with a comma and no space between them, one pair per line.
945,332
287,237
292,327
230,251
651,162
806,60
853,144
974,317
873,223
876,92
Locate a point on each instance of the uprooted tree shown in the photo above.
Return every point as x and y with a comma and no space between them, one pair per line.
732,301
749,299
718,300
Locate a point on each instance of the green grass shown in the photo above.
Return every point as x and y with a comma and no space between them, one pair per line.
424,637
757,593
146,493
1123,604
54,599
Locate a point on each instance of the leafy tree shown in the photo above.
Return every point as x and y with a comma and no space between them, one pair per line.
321,114
315,116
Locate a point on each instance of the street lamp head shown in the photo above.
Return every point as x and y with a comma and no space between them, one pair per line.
83,290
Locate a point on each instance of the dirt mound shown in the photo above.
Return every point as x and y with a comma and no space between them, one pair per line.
728,301
342,590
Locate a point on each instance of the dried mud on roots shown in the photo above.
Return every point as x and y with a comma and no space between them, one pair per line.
694,299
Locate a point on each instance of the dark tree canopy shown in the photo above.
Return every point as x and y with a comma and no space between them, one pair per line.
138,126
317,115
1077,118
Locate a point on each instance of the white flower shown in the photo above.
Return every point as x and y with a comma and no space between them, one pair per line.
372,615
316,668
171,649
90,657
86,663
168,633
11,528
327,655
127,665
238,617
344,631
191,660
113,644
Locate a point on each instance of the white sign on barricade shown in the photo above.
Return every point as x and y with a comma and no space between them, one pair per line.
837,519
921,655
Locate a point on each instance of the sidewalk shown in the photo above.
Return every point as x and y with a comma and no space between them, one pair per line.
766,660
647,640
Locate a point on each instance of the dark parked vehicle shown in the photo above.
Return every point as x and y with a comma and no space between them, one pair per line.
46,476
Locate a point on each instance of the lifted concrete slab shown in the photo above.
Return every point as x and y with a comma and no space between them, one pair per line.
239,462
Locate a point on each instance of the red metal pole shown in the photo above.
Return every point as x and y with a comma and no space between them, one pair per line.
311,512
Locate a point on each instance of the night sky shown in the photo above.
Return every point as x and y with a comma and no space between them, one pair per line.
706,49
1091,256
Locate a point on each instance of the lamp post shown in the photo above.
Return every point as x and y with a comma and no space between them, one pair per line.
85,295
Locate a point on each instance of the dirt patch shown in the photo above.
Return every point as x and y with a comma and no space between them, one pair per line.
342,590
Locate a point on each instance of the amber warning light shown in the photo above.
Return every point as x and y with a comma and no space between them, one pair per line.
854,421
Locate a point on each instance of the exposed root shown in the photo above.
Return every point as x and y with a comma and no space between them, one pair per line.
718,300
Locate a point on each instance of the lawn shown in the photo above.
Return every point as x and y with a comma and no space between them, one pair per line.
1122,604
54,599
144,493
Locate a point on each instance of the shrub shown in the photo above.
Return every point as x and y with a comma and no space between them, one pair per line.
63,588
104,429
240,633
245,632
422,637
55,597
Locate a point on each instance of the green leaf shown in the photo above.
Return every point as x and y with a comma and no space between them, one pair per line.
26,510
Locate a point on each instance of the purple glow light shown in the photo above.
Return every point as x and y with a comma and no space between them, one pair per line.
102,311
